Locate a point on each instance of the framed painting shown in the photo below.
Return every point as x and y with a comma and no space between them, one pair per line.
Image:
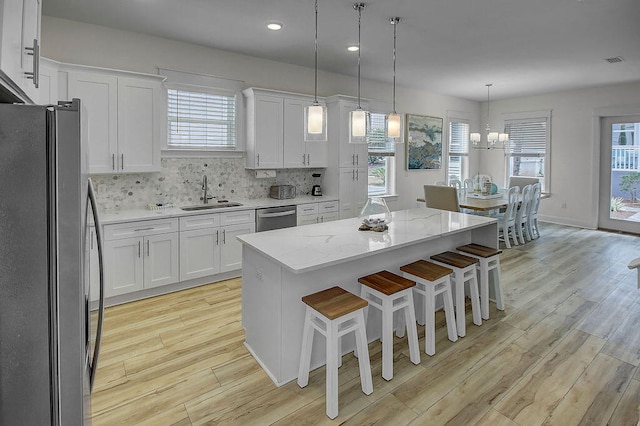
424,142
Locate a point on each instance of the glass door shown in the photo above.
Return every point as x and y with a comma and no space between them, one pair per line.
620,174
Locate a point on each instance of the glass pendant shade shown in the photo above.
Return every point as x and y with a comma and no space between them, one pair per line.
394,126
492,137
474,138
358,125
375,212
315,123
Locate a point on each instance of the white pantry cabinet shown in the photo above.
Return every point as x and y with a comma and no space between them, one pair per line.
311,213
275,131
125,118
140,255
353,191
208,243
20,47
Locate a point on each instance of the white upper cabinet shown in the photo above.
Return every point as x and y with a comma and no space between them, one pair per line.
20,47
48,90
275,132
297,152
125,119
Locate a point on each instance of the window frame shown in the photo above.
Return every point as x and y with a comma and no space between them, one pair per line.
209,84
530,117
389,155
458,117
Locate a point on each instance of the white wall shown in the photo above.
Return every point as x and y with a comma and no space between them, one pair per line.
574,148
74,42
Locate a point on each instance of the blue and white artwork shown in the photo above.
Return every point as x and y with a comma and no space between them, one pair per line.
424,142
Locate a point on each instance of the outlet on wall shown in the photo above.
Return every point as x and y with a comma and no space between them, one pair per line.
564,204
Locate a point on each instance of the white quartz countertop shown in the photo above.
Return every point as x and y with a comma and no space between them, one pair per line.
306,248
118,216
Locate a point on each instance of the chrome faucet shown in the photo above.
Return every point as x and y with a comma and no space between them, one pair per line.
205,189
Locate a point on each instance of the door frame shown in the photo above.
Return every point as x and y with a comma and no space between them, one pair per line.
598,115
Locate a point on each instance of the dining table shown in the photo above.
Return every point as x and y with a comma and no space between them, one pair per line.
479,203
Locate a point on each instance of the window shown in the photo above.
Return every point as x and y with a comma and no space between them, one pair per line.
458,164
529,141
198,120
381,157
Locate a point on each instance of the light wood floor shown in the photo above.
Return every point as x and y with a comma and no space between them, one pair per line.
565,351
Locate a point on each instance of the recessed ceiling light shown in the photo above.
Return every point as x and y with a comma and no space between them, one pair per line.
274,26
353,48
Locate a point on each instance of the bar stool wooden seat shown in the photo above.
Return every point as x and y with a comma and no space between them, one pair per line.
334,313
464,270
489,260
389,293
432,280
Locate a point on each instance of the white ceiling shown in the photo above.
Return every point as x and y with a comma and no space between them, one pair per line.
451,47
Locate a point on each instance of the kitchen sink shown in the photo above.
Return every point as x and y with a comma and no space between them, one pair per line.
209,206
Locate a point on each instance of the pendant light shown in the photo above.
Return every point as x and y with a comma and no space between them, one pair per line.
493,138
359,118
394,121
315,115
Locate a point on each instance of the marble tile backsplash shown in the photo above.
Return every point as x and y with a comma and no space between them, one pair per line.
180,182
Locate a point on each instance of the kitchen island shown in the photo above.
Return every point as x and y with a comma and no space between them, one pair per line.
281,266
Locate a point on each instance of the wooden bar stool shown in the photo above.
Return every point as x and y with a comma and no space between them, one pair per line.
464,270
334,313
389,293
489,259
432,280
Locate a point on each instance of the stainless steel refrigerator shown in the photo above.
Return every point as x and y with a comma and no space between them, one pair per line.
49,338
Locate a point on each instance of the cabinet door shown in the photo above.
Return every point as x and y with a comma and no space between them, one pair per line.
160,260
199,253
30,39
295,155
231,248
139,125
123,266
360,189
268,131
346,184
328,217
317,154
99,97
11,47
307,220
48,91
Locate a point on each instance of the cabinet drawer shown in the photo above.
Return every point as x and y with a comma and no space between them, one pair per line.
200,221
306,209
328,206
237,217
138,229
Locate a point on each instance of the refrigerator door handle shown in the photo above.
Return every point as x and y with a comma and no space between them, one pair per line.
98,228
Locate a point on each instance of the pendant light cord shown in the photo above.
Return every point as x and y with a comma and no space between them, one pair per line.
395,22
488,109
315,89
359,7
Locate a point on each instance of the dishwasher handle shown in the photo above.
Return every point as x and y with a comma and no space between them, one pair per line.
278,214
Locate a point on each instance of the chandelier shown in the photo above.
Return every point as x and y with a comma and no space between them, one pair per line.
493,139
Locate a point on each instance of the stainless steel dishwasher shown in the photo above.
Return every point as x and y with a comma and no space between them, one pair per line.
275,218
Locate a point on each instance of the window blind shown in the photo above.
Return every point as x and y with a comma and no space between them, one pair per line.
527,138
201,120
458,137
378,143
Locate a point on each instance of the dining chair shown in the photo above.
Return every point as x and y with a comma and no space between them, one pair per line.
522,215
532,223
455,183
441,197
468,185
635,264
507,220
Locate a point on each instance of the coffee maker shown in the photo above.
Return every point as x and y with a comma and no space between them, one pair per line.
316,190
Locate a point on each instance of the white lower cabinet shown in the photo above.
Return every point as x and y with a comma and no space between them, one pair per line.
140,255
311,213
353,191
208,243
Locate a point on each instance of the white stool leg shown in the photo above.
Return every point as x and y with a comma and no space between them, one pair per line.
363,361
475,297
430,320
332,369
387,339
459,296
497,286
412,330
484,287
447,299
305,353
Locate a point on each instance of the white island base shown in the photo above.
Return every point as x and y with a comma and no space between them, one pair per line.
279,267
